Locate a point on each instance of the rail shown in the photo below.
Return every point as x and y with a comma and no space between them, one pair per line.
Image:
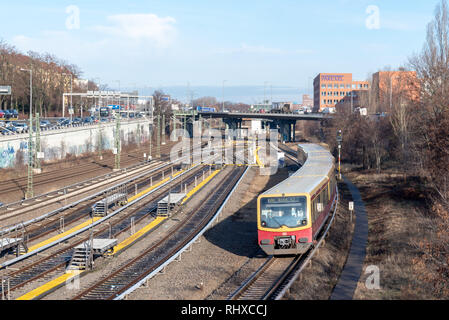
22,257
186,246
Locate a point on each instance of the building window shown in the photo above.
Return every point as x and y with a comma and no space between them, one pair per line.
360,86
342,86
329,86
323,86
348,86
354,86
323,93
324,101
335,86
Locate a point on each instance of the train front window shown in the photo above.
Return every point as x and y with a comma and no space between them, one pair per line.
290,212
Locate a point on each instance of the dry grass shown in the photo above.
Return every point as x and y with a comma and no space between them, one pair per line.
397,219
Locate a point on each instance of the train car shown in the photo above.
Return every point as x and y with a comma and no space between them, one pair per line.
291,214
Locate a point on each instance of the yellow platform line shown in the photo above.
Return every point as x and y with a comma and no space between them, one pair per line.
198,187
66,233
259,163
128,241
50,285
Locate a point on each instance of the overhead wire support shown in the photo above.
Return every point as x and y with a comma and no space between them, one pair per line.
117,142
37,151
163,129
30,190
158,155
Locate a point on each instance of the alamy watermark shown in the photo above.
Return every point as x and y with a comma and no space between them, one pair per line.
372,282
372,22
260,147
73,20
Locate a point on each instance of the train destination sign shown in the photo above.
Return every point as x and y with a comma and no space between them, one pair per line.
5,90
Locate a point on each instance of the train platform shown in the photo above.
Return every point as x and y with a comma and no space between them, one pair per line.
154,186
199,186
51,285
136,236
63,234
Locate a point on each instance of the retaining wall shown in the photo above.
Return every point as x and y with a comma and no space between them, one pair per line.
56,144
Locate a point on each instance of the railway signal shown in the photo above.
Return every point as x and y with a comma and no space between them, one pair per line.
339,141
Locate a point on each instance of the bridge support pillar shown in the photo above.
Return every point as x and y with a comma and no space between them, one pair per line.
234,124
287,128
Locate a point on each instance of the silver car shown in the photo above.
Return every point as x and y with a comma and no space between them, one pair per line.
20,126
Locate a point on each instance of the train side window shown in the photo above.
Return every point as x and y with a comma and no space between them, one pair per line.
314,209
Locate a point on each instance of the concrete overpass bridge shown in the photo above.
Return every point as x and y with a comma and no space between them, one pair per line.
284,122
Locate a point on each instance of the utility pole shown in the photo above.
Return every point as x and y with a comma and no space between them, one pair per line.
37,166
71,95
150,130
158,155
100,140
163,129
222,109
339,140
117,142
138,135
30,189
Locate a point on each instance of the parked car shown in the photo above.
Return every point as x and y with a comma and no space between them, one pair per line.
64,122
77,121
20,126
2,114
61,121
8,130
45,124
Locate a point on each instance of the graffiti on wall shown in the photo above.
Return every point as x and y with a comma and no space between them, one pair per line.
7,156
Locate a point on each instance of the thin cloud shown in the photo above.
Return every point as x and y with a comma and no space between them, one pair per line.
141,27
251,49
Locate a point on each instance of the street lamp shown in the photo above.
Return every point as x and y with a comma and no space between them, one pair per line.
30,192
119,93
222,109
71,95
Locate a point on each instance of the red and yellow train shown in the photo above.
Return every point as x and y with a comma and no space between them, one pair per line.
291,214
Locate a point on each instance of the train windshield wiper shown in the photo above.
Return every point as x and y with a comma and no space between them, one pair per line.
277,222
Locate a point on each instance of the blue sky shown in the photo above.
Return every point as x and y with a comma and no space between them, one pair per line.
167,43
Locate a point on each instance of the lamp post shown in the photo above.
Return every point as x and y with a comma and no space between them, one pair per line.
339,141
71,95
222,109
30,192
119,93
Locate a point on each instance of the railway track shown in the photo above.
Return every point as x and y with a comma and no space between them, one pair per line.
20,184
130,273
83,209
118,225
62,195
277,274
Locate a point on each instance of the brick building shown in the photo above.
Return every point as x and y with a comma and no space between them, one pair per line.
331,88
